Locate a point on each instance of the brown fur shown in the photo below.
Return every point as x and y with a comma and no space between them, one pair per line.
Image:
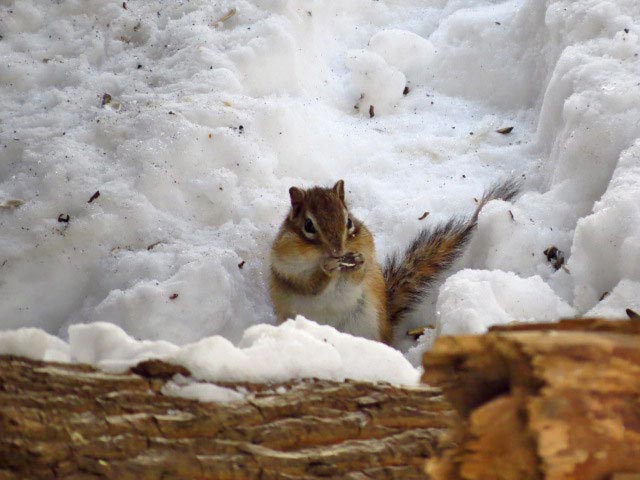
376,286
287,246
291,247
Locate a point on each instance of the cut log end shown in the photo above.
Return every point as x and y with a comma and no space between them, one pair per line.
553,401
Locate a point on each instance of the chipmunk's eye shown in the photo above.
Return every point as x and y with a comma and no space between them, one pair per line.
309,227
351,228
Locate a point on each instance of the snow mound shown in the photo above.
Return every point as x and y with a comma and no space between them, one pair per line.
295,349
33,343
109,346
380,84
586,195
408,52
473,300
606,246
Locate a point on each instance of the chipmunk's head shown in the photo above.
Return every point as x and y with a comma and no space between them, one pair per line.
320,216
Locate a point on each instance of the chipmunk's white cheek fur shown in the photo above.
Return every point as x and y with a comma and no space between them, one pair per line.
294,265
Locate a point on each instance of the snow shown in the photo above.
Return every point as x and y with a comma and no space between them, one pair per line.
404,50
209,125
296,349
108,346
380,84
473,300
204,392
626,293
33,343
607,243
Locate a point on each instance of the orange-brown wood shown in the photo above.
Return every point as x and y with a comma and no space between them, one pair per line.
553,401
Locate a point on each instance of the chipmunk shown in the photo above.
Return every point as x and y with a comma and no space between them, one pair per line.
324,267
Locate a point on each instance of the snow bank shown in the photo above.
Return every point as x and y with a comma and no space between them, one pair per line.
606,247
208,124
266,354
492,52
204,130
587,137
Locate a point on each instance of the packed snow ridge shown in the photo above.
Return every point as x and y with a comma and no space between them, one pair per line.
192,130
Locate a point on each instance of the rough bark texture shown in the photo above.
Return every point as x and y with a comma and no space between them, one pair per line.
554,401
70,421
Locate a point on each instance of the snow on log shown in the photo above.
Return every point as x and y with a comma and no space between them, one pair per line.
553,401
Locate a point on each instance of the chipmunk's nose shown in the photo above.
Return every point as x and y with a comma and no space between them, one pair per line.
336,250
335,246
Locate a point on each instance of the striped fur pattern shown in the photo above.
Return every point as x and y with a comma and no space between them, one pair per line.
306,276
409,277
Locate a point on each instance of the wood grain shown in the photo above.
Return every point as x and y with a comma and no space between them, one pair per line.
553,401
70,421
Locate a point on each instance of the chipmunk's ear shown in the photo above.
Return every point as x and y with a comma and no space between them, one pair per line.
338,188
297,197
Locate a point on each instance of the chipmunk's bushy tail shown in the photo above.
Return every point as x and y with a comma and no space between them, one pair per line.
409,277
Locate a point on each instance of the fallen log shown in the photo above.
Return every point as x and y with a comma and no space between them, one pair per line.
553,401
73,422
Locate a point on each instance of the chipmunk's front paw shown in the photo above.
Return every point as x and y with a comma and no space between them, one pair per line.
331,264
349,261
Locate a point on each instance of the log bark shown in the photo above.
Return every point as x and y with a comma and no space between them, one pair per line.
553,401
70,421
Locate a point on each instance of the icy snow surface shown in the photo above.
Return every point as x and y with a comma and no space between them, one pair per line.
209,124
